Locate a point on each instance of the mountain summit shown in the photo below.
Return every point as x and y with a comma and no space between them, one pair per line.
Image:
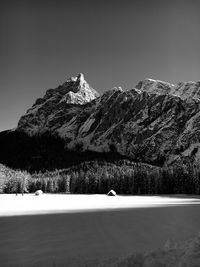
77,91
184,90
55,106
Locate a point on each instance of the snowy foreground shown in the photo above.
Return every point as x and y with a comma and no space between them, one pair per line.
97,230
28,204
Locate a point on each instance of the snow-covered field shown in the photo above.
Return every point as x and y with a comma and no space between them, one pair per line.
10,204
84,230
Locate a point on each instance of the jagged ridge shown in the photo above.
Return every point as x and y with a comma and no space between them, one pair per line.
185,90
56,105
156,122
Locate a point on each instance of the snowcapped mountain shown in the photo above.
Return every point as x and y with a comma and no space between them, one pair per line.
49,112
155,122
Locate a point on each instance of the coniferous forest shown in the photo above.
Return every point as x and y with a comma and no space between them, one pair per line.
98,177
42,162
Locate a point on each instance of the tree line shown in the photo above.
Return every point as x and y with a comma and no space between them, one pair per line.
98,177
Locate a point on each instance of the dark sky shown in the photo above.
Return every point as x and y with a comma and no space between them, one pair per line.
114,43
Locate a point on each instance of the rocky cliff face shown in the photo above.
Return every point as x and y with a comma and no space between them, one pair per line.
57,106
184,90
156,122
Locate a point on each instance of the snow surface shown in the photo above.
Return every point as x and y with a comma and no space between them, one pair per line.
73,238
65,203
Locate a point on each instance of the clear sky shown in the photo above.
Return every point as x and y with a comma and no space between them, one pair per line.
114,43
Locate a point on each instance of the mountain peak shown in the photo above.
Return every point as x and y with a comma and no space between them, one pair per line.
154,86
74,90
81,80
80,77
183,90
